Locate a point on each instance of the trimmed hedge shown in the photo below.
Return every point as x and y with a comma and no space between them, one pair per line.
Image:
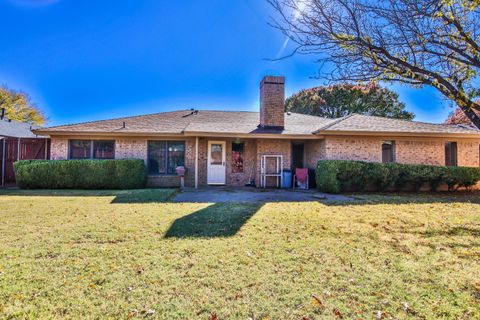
81,174
335,176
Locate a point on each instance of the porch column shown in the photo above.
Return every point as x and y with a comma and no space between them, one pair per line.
196,162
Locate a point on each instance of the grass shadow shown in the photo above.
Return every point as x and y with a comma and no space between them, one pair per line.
119,196
217,220
407,198
145,196
453,232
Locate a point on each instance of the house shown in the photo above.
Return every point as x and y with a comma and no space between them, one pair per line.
18,142
226,147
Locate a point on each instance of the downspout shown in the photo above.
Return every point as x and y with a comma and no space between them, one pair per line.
196,162
3,162
18,150
46,148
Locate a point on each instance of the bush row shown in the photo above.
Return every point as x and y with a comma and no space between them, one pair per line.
335,176
81,174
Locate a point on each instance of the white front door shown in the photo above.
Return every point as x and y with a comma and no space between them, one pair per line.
216,173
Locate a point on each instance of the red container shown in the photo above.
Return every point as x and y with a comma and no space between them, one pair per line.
180,170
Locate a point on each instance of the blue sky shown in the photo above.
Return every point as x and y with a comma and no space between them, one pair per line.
87,60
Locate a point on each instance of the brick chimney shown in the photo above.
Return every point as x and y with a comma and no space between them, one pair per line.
272,102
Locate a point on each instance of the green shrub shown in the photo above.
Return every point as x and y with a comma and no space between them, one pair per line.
352,175
326,176
382,176
336,176
458,177
80,174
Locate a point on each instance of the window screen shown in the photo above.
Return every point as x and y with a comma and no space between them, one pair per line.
80,149
104,149
92,149
388,151
165,156
451,154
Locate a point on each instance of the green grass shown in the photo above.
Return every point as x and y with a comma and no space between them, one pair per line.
129,254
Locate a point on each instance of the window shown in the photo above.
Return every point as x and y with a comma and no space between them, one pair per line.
165,156
92,149
80,149
103,149
388,151
237,157
451,154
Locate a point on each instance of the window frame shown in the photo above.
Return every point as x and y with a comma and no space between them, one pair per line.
454,160
166,144
394,150
92,149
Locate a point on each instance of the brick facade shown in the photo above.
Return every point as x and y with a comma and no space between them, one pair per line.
131,148
59,149
407,150
314,150
352,148
272,102
420,151
273,147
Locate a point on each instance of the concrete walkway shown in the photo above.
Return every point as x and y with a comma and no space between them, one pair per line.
245,194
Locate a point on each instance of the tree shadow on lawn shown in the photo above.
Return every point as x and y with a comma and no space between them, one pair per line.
217,220
406,198
119,196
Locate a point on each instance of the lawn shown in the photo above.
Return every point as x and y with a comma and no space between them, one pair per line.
133,254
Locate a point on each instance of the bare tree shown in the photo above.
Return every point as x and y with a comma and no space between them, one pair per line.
418,42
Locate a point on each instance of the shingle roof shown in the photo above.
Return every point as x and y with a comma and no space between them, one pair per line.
15,129
362,123
184,121
242,122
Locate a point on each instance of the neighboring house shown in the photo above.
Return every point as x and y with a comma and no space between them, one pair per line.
225,147
18,142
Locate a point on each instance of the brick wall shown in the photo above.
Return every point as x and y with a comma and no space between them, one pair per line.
417,151
420,152
468,154
346,148
273,147
272,102
352,148
58,149
314,151
131,148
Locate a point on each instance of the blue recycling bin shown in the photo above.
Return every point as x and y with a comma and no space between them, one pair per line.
287,179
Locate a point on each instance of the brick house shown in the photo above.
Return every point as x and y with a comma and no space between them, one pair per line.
225,147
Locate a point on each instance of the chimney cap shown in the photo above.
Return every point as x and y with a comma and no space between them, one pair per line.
273,79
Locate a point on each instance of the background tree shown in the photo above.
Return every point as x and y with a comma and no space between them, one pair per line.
418,42
343,99
459,117
19,107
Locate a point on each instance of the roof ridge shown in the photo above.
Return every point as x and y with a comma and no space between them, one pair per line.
405,120
306,115
146,115
334,122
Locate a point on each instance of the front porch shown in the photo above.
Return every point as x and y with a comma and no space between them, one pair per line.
236,162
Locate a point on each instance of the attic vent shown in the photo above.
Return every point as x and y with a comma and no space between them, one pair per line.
192,112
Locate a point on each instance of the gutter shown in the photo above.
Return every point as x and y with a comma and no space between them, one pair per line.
444,135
